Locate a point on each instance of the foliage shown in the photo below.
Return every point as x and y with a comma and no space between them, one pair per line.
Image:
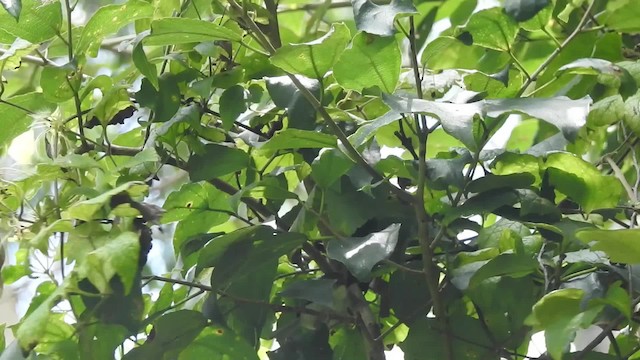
290,223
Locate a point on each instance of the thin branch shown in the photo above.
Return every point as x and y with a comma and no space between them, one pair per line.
429,268
309,7
274,307
557,51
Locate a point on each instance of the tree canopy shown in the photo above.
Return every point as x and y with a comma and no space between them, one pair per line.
321,180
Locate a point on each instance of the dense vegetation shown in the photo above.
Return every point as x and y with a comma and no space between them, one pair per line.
329,176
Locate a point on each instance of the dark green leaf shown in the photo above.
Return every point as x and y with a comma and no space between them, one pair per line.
233,102
347,344
217,342
319,291
140,60
285,95
523,10
215,161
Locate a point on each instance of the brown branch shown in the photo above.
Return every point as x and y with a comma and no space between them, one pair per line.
274,307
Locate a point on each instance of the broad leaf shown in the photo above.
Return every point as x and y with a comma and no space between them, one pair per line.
285,95
171,31
299,139
215,342
492,29
87,209
108,20
360,255
377,60
620,245
319,291
313,59
523,10
14,121
216,161
38,22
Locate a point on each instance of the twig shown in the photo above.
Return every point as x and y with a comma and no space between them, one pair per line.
557,51
430,273
308,7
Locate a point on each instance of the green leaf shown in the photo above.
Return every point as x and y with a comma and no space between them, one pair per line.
173,332
118,256
512,265
360,255
607,111
582,182
14,121
41,240
233,102
347,344
408,295
379,19
216,161
623,18
369,129
165,101
87,209
173,31
329,167
108,20
216,342
285,94
371,61
523,10
58,83
559,314
319,291
33,327
13,7
299,139
213,251
313,59
620,245
38,22
491,182
147,69
492,29
632,113
443,173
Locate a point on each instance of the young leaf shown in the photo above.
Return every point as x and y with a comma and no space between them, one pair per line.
14,121
38,22
621,246
299,139
313,59
371,61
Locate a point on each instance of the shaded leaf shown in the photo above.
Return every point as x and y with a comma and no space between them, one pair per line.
216,342
360,255
319,291
233,102
215,161
523,10
286,95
